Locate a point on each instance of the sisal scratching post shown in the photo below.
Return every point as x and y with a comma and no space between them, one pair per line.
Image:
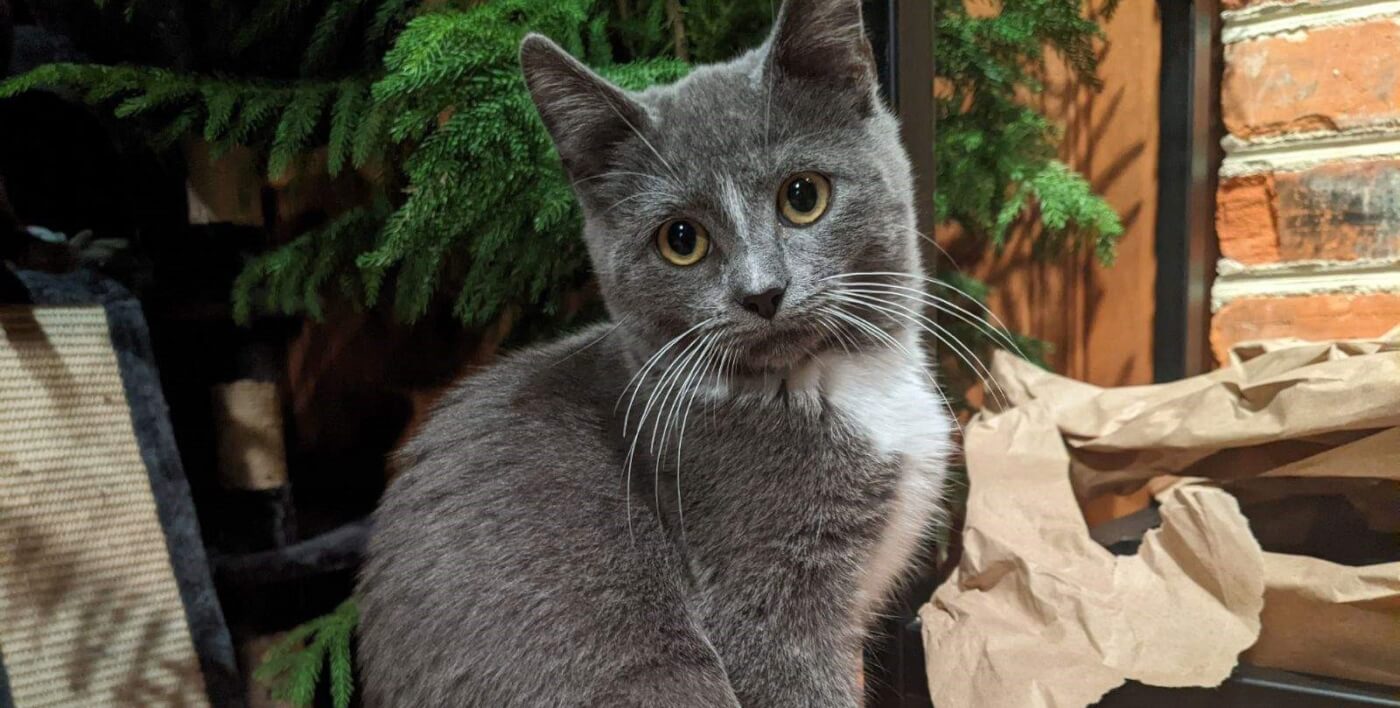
92,612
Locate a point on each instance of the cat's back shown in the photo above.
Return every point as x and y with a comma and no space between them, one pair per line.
521,416
520,426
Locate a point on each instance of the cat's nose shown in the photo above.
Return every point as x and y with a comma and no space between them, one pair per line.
764,304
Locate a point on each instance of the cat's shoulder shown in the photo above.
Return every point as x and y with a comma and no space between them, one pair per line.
573,369
563,386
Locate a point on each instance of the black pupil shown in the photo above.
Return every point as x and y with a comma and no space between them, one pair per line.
802,195
681,237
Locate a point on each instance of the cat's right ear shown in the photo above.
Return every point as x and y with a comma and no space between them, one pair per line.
587,116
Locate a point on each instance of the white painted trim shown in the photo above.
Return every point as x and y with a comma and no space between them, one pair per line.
1235,280
1303,151
1284,18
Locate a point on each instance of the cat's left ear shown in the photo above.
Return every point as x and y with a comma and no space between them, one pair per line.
587,116
824,42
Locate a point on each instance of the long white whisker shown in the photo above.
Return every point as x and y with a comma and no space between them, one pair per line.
982,325
618,173
630,197
931,242
724,376
965,354
680,370
879,334
702,364
939,283
680,391
638,377
768,101
878,295
680,442
641,424
822,322
835,330
581,349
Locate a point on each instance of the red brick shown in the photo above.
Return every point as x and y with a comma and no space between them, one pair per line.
1332,78
1313,317
1245,221
1342,212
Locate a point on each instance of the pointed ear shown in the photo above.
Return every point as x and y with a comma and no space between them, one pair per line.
586,115
823,41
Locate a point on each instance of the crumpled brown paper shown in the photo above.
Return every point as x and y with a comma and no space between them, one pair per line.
1038,614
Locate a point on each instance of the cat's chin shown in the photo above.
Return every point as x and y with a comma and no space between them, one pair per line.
782,356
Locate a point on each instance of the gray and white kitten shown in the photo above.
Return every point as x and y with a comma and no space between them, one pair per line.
705,501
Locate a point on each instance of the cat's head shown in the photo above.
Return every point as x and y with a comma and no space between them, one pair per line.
737,200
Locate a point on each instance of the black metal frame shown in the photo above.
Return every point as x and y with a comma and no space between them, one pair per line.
1188,157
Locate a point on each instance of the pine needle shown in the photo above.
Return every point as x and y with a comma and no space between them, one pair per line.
292,668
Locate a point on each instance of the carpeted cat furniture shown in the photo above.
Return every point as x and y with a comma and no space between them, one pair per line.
105,594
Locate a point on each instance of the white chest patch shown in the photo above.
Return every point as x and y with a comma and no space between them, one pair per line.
890,397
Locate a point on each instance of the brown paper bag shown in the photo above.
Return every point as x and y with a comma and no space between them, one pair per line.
1038,614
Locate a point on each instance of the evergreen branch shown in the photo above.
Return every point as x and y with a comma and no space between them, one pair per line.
168,90
283,117
478,213
388,15
256,114
291,279
483,178
1073,216
296,128
220,107
370,138
345,114
293,666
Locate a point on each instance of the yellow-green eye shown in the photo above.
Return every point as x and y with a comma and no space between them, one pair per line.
804,198
682,242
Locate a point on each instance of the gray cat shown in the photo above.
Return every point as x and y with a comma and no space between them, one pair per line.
705,501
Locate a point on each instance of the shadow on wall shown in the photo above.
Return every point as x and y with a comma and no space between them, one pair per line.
1097,320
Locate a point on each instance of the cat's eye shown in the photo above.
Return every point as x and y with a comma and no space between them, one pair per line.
804,197
682,242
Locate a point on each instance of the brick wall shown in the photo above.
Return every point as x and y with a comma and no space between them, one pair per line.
1308,209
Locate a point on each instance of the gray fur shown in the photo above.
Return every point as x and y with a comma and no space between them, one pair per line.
520,560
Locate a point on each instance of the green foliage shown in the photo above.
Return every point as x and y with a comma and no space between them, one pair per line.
470,209
996,156
293,667
976,326
715,30
293,278
280,118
